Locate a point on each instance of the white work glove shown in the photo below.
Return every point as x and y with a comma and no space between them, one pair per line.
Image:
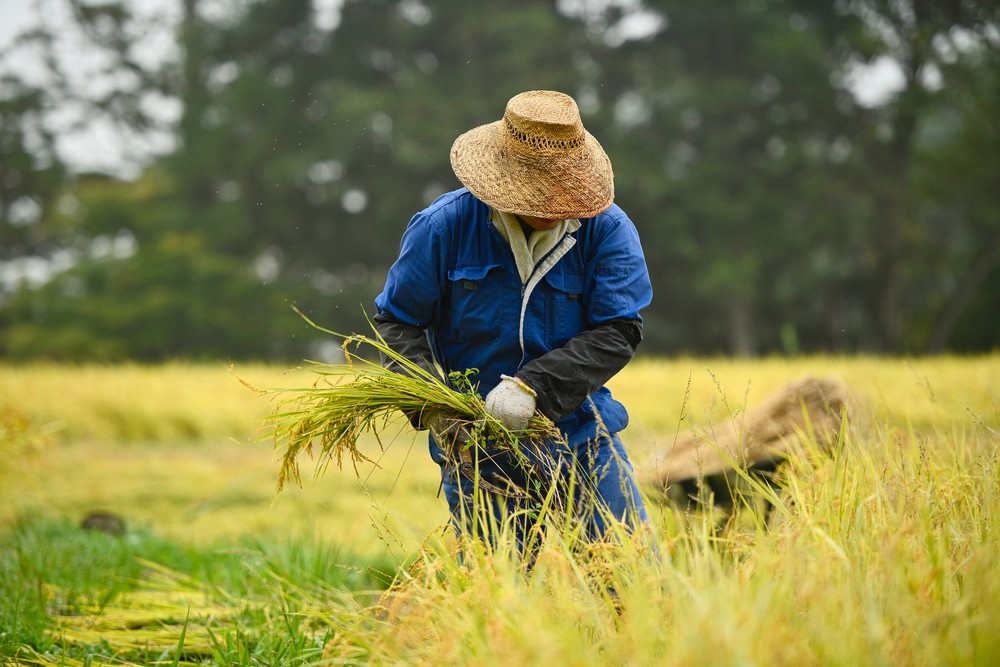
512,402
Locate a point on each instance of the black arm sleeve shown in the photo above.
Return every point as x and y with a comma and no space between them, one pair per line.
407,341
564,377
410,342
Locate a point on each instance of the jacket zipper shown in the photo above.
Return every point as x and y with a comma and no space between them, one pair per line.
539,272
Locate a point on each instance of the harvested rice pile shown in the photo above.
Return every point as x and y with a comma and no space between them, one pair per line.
167,613
808,410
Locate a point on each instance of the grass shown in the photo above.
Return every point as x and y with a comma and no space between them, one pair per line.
884,552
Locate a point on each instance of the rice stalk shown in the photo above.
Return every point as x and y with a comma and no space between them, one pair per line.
362,396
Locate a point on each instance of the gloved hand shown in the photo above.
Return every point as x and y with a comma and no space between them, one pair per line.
512,402
452,434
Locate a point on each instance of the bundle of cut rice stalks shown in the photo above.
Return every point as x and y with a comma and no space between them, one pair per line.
806,413
361,396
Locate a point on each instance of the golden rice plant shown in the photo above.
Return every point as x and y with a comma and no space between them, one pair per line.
362,396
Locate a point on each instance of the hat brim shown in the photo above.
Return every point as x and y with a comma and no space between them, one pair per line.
558,186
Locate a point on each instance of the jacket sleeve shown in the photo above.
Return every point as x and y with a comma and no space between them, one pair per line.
411,298
414,285
408,341
565,377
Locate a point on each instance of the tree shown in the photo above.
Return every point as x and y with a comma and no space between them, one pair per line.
306,150
778,213
958,175
915,34
32,172
728,132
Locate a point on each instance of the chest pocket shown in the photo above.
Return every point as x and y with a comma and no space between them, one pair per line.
566,313
476,303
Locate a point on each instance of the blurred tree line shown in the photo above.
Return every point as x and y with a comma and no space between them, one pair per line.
778,213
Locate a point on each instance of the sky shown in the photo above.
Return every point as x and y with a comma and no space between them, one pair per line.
100,145
15,15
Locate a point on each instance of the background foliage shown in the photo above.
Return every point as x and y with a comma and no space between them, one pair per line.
779,213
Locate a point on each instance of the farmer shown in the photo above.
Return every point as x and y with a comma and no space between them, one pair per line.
531,275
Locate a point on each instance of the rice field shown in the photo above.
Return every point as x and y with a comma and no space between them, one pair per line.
883,552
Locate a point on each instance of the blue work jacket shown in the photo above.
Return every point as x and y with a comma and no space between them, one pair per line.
456,279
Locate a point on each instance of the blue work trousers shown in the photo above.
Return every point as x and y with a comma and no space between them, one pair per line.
593,484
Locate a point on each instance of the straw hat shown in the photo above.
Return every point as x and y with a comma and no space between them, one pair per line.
538,160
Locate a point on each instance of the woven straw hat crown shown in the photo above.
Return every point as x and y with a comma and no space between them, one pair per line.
538,160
